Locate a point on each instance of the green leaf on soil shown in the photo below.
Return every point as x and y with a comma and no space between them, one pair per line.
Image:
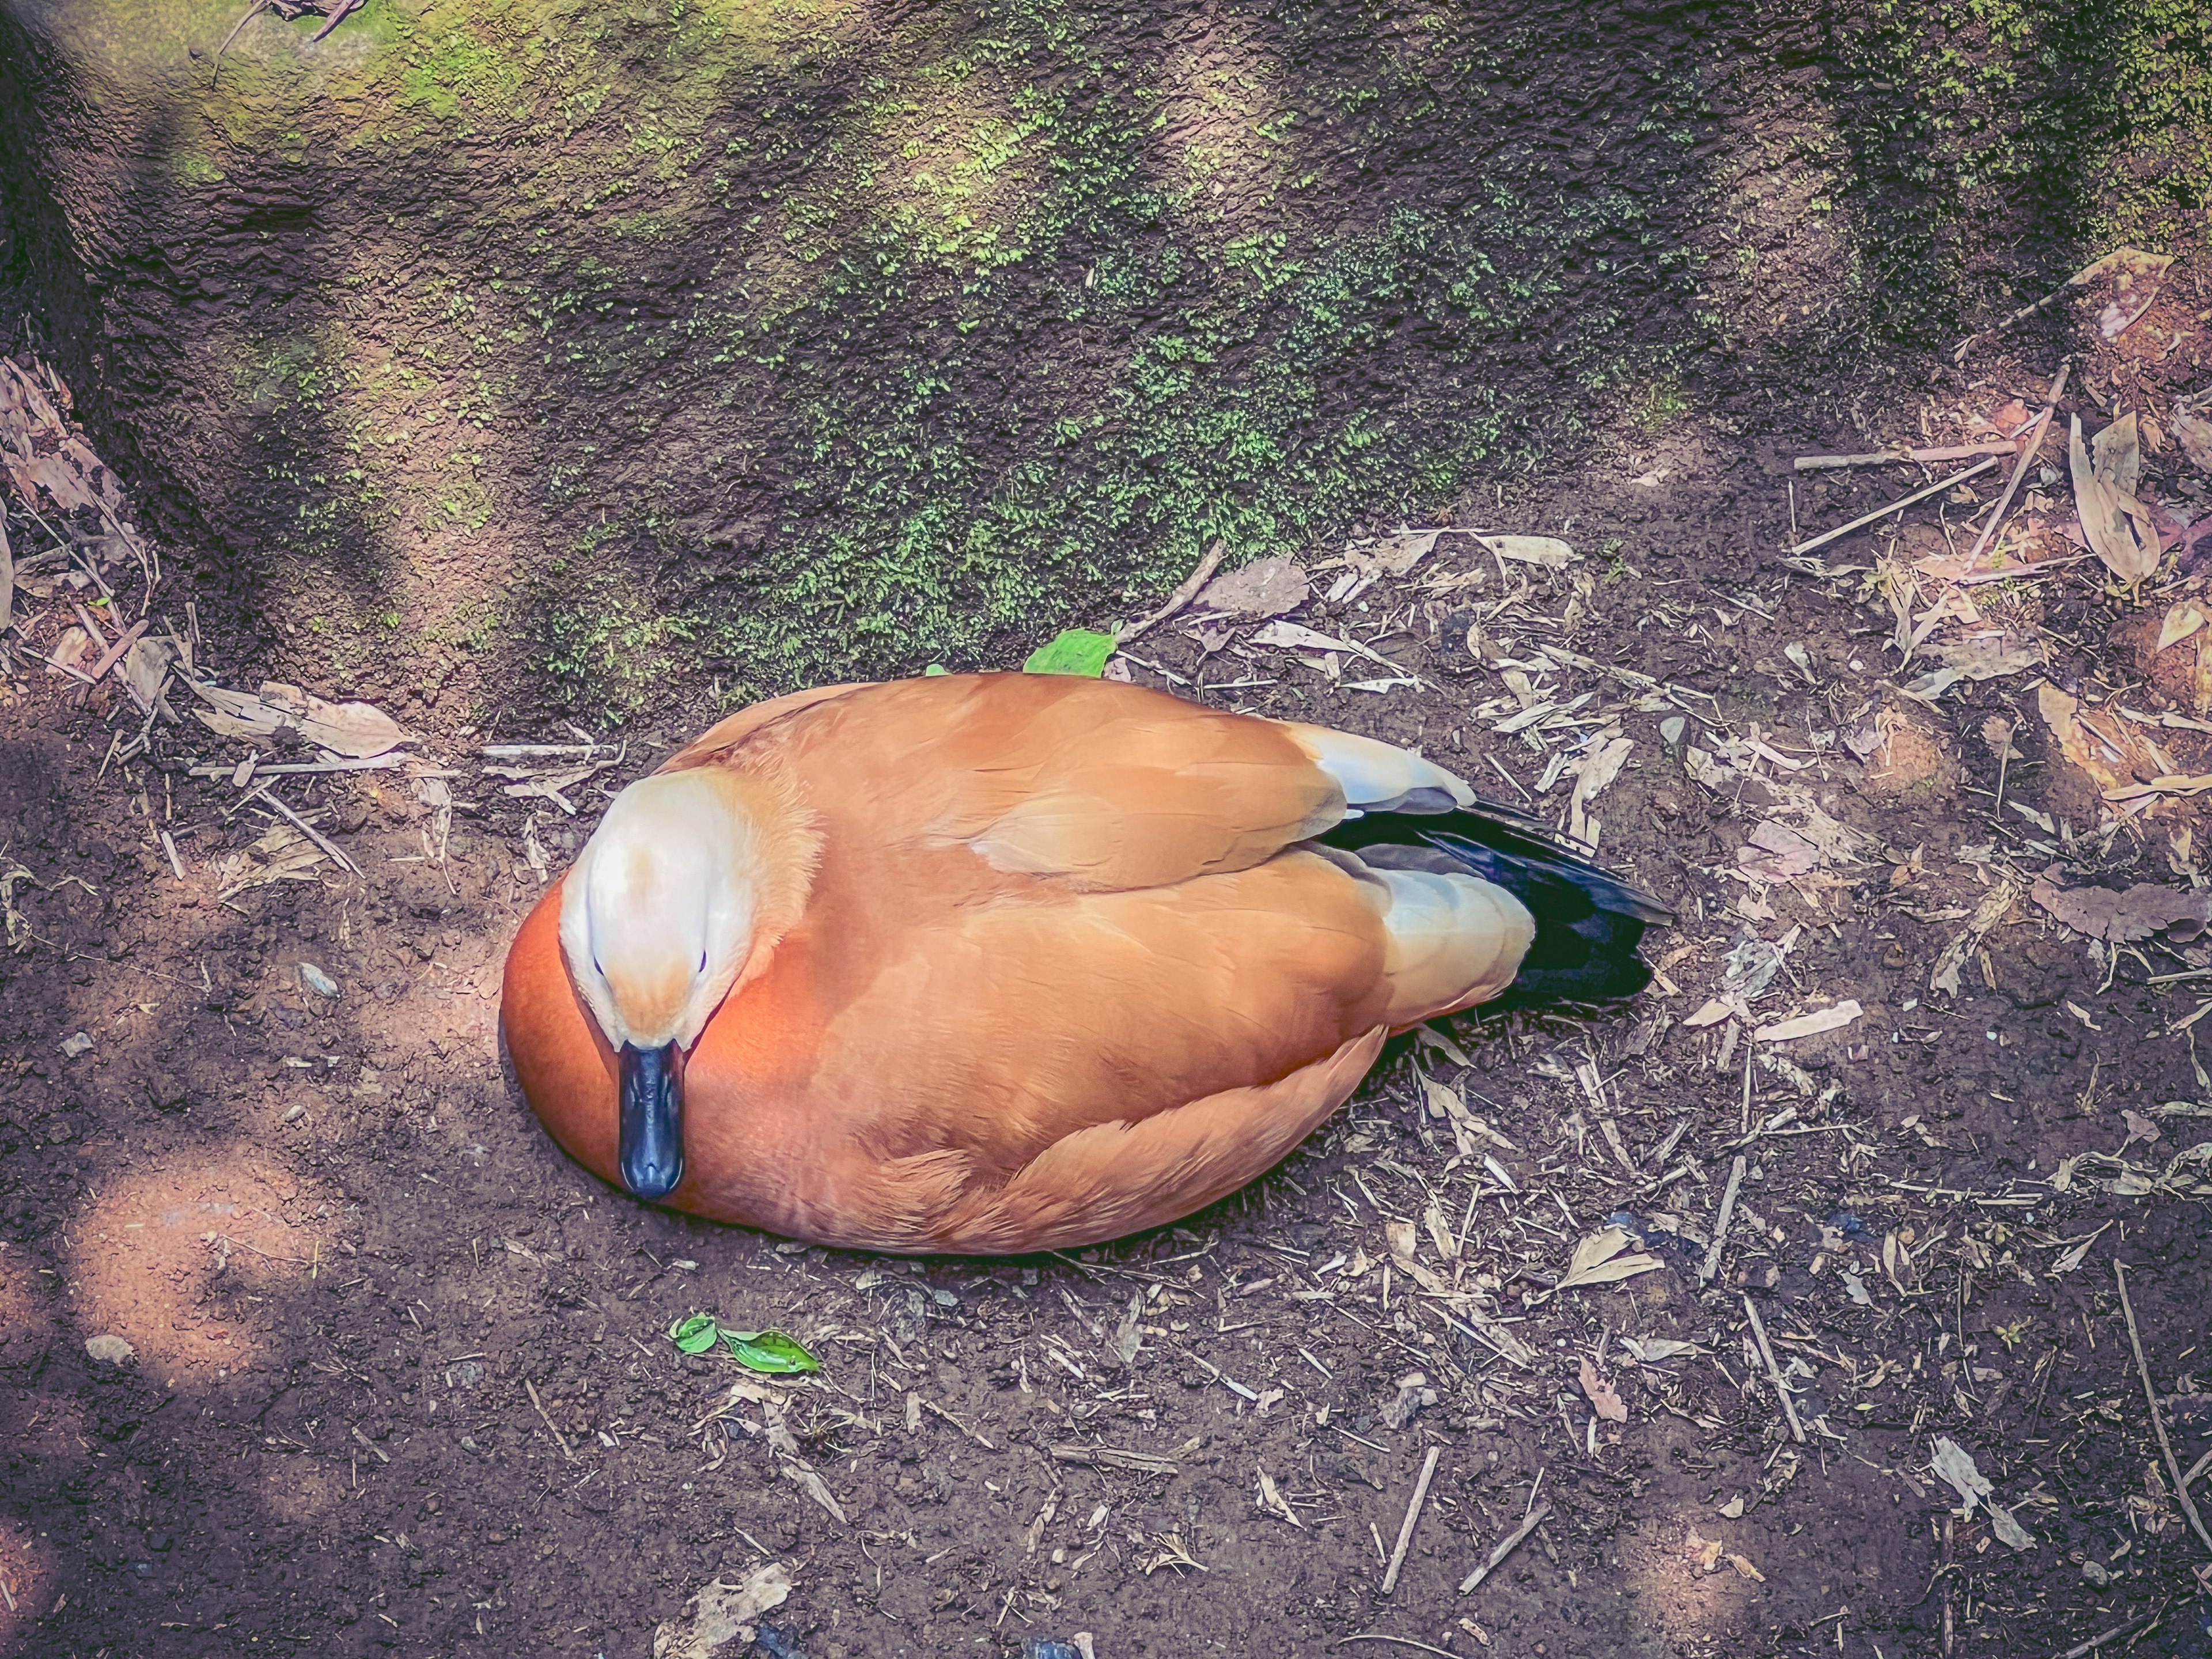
769,1351
696,1335
1073,651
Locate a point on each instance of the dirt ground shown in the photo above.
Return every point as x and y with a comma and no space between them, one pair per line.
400,1380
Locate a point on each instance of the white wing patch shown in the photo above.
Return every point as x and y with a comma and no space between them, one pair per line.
1451,941
1379,777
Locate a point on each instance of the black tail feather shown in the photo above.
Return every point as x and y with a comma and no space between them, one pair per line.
1588,921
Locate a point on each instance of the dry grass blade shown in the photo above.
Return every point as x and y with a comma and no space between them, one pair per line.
1113,1457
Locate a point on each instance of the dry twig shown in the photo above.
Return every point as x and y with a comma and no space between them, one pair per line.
1506,1547
1711,1264
1413,1513
2157,1420
1175,601
2026,460
1866,518
537,1406
1774,1372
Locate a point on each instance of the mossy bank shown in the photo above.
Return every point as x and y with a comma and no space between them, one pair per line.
759,343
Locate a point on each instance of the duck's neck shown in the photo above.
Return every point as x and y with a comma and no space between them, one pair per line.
775,851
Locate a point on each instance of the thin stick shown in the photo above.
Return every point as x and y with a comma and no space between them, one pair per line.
2198,1468
251,12
537,1406
2081,1650
2026,457
1506,1547
307,829
2158,1422
1774,1373
959,1424
1866,518
1890,457
56,662
285,769
1711,1264
1413,1513
1175,601
2080,279
1402,1641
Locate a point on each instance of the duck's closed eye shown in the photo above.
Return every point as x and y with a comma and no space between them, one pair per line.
703,962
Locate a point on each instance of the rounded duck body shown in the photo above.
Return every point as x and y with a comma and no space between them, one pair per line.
1006,963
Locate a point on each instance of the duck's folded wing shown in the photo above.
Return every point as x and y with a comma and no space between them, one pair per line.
720,739
1099,786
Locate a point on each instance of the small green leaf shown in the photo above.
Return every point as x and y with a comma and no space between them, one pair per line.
768,1351
694,1334
1073,651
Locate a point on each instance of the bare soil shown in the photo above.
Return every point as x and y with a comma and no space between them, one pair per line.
345,1255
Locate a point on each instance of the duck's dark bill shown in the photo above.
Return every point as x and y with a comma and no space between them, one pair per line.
652,1119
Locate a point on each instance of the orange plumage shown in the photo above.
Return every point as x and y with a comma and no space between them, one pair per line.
1006,963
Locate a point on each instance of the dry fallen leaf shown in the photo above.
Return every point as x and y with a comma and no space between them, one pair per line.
2140,1128
1994,904
2133,277
724,1613
1774,851
1987,656
1530,549
1599,768
1266,587
1274,1503
2009,1532
1293,636
2181,621
1811,1025
1394,556
2121,918
1402,1237
2194,433
2117,754
359,730
1954,1465
1603,1399
1598,1259
1651,1350
2117,526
